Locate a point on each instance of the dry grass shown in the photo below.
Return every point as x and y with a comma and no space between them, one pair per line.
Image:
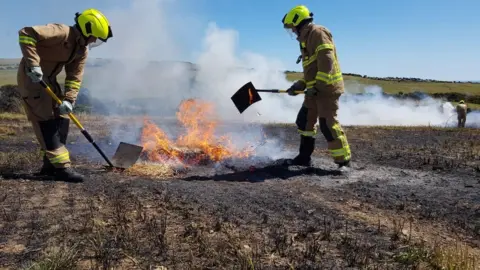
151,170
18,160
439,256
12,116
454,256
57,258
7,131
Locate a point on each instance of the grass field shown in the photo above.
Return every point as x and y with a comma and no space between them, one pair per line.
394,87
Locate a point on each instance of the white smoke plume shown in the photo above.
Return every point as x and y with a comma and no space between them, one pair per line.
218,73
159,36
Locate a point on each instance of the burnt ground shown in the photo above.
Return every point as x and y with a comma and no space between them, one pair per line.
412,201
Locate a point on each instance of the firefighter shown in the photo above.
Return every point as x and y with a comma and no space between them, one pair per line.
46,50
461,113
323,81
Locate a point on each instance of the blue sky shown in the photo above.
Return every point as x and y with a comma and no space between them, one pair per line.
423,38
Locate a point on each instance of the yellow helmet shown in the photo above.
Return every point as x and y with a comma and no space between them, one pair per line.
461,102
295,16
93,23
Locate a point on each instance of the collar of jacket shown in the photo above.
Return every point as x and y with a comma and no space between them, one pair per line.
78,36
306,29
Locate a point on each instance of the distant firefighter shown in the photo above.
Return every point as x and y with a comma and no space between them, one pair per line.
461,113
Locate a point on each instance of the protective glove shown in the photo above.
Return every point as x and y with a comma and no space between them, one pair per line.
291,91
35,74
293,88
66,107
311,92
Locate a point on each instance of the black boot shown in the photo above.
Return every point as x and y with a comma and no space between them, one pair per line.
68,175
47,168
344,164
307,145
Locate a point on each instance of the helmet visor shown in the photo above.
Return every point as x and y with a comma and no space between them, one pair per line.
97,43
290,33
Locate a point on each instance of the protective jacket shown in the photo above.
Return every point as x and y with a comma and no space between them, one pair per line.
52,47
319,59
462,110
461,114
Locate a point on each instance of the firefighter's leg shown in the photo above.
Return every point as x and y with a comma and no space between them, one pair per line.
332,131
306,120
48,131
47,167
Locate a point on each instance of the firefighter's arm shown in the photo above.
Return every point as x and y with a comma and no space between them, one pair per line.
39,35
74,76
326,62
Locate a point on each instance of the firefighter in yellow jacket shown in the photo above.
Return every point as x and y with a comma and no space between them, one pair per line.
47,49
461,113
323,81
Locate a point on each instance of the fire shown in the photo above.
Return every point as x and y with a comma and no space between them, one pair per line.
196,144
250,95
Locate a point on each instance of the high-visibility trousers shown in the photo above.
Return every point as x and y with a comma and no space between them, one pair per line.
324,109
51,129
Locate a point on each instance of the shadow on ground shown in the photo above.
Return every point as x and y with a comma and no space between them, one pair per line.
262,174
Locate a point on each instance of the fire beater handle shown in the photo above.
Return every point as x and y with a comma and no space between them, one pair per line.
278,91
77,123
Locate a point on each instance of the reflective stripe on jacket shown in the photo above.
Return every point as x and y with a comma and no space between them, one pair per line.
321,68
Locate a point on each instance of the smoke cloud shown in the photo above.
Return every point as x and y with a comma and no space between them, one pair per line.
221,68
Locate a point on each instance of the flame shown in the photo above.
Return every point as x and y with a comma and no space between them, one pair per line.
250,95
197,143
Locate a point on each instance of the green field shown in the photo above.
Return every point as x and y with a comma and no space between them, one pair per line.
394,87
9,76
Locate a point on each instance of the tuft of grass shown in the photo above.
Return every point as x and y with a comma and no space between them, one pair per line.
457,256
57,258
439,256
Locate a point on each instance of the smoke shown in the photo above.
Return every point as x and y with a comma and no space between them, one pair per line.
473,120
374,108
142,73
145,73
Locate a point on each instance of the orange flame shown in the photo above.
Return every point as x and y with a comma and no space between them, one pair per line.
250,95
197,117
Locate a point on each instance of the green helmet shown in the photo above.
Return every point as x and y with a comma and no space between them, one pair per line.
296,16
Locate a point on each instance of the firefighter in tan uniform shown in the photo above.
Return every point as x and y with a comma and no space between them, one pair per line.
323,81
461,113
47,49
